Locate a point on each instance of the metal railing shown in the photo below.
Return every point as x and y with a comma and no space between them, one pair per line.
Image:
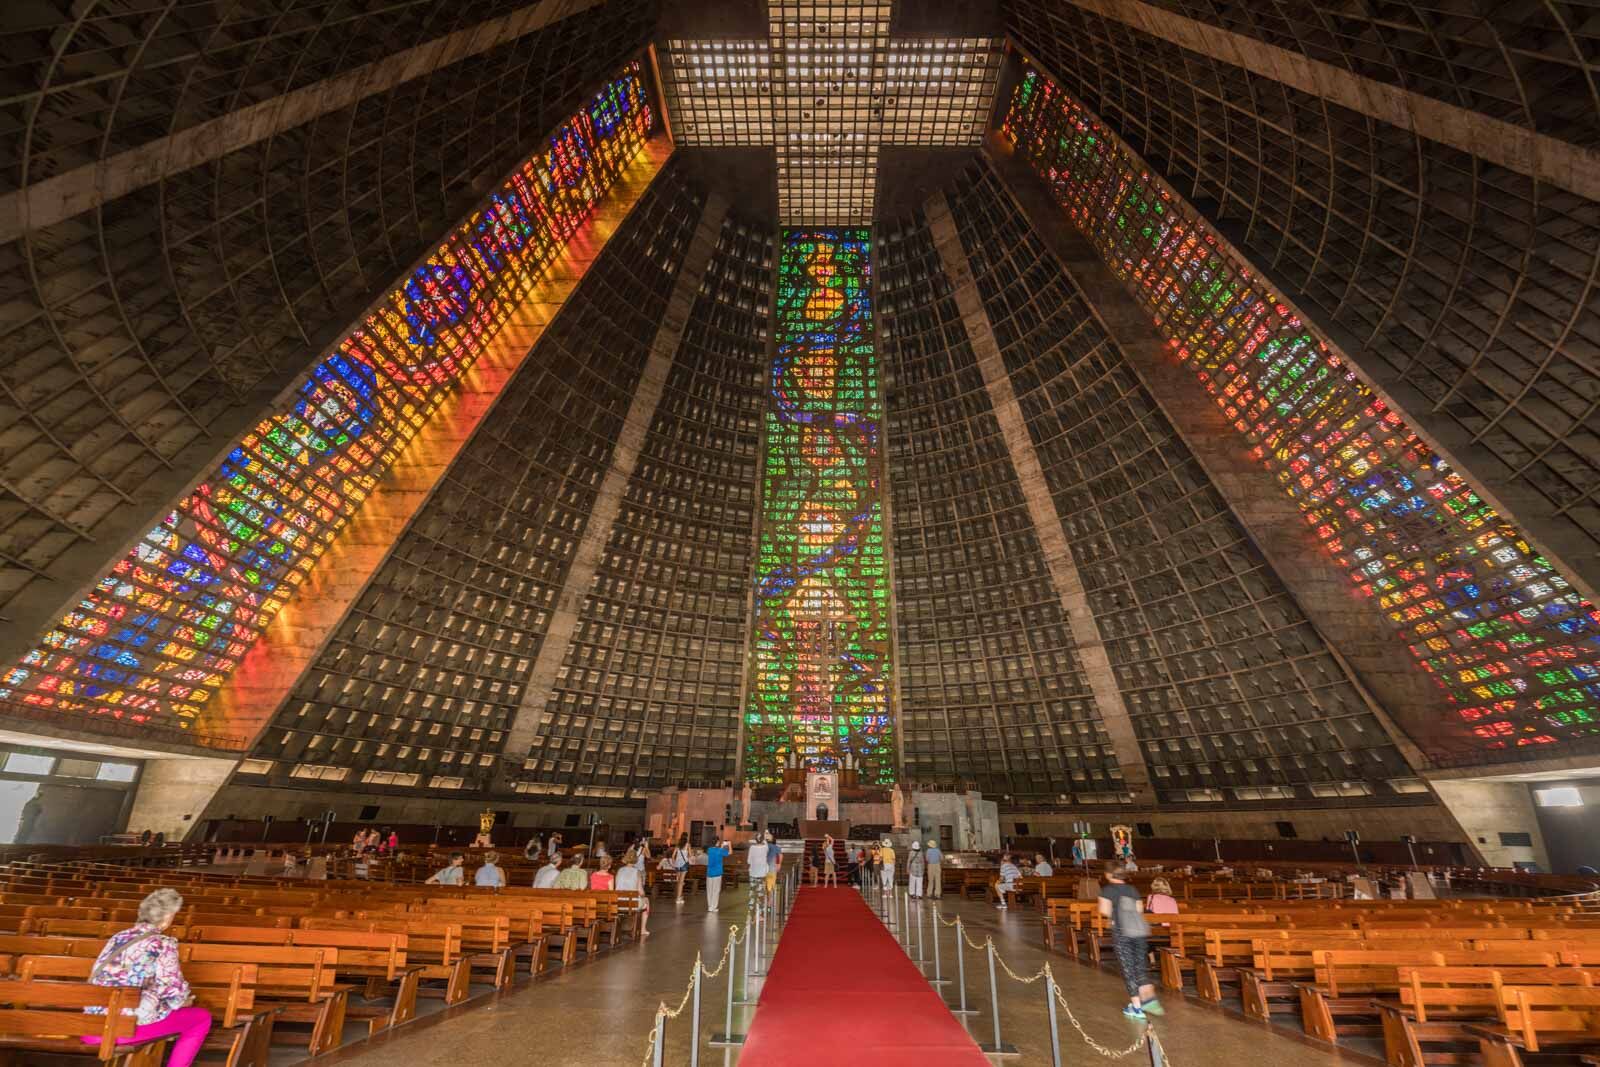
906,922
765,915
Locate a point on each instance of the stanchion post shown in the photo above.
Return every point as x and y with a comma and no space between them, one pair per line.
999,1047
694,1022
661,1039
728,1037
1158,1055
938,978
961,968
922,958
1055,1028
761,942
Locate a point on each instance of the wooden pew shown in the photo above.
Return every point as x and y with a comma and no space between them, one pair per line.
299,983
1430,1022
377,960
433,947
1540,1018
239,1032
1281,964
49,1017
529,921
1348,983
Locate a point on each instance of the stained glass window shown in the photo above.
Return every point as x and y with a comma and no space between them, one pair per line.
819,690
164,627
1514,648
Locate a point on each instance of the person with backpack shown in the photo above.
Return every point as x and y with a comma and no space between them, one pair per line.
756,864
680,864
1130,938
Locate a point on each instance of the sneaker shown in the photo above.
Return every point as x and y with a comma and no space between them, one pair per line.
1133,1011
1153,1007
999,907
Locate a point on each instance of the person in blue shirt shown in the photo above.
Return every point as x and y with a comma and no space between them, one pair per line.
714,857
774,858
490,873
935,860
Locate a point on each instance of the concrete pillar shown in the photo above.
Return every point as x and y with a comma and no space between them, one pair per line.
608,500
173,793
1485,809
1041,508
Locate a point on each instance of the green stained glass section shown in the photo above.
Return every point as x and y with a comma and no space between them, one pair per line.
819,693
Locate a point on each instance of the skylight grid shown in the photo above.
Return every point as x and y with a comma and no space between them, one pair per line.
827,90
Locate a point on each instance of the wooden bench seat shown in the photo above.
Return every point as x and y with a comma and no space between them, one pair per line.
1429,1024
49,1017
1540,1018
240,1034
300,984
1270,985
433,947
1349,984
376,961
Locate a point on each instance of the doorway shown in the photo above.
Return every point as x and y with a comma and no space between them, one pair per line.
14,796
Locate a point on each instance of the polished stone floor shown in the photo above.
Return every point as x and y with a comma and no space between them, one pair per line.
601,1012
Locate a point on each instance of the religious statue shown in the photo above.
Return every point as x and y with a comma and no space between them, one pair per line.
1122,842
898,801
744,805
485,830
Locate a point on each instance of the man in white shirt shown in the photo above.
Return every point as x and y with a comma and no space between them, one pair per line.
1009,875
756,864
546,876
1041,866
452,874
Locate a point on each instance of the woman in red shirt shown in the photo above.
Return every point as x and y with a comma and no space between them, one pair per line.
601,879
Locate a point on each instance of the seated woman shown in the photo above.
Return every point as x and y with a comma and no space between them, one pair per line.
573,876
490,873
143,958
630,880
601,879
1161,901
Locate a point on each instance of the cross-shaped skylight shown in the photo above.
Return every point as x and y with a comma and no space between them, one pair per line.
827,89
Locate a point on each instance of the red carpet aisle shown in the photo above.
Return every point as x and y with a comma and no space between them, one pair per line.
842,992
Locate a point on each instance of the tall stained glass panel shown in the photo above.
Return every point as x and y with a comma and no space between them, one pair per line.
163,629
1513,646
821,654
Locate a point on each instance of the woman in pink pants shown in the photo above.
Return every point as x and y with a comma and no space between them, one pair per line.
142,957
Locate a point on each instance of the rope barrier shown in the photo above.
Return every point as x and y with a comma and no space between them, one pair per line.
1112,1054
664,1012
1146,1035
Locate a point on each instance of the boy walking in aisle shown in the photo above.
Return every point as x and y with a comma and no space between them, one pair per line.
1130,937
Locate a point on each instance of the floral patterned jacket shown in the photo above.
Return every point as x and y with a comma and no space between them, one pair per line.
151,966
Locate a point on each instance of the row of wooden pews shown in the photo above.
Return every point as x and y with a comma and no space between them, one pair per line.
1458,981
281,963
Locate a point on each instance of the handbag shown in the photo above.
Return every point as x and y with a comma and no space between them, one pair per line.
148,1001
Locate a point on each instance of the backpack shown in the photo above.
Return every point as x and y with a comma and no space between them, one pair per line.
1129,919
